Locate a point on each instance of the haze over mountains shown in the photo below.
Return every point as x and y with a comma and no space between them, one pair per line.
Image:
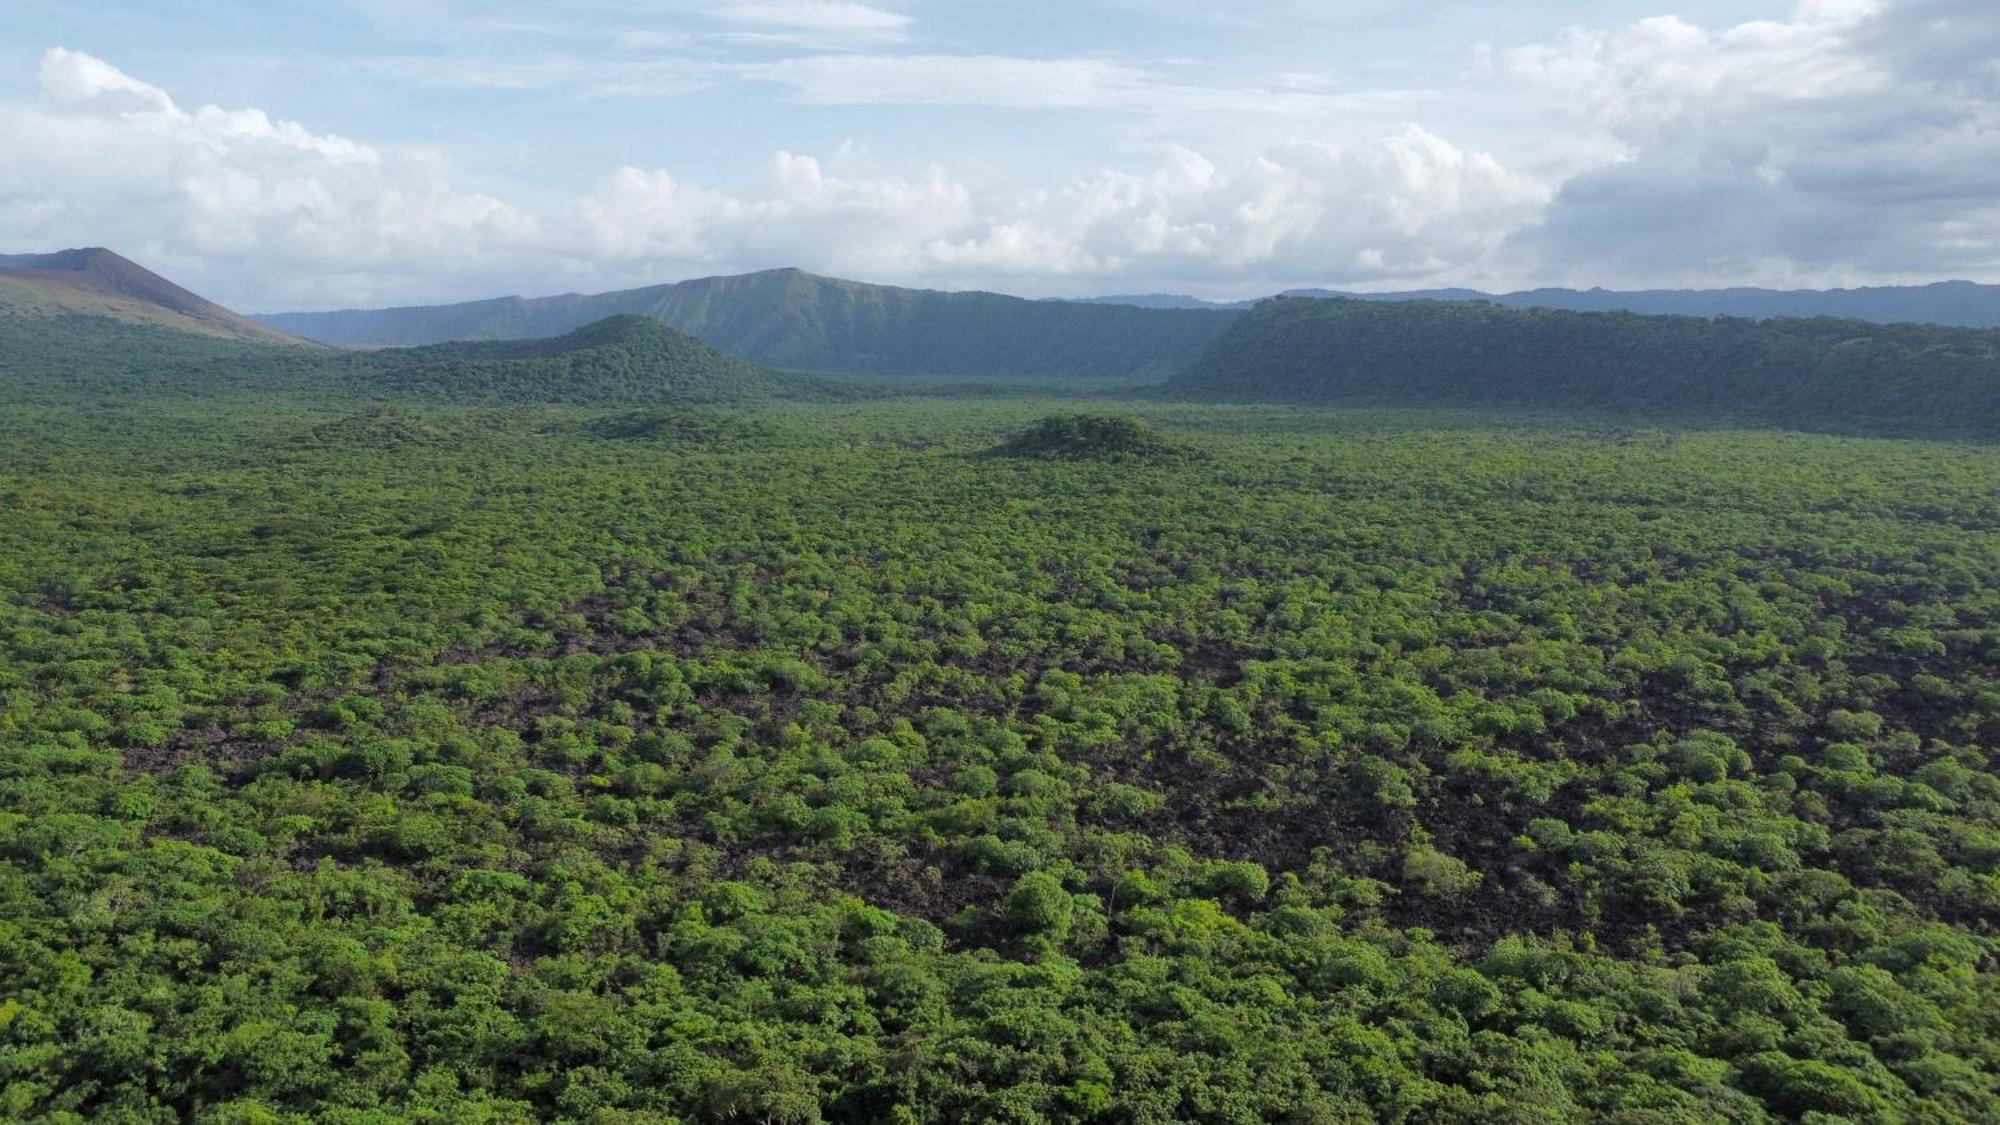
1962,304
796,321
725,340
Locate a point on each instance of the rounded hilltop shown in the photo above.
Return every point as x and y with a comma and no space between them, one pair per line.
1090,437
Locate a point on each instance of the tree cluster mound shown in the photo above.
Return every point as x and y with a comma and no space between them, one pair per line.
1088,437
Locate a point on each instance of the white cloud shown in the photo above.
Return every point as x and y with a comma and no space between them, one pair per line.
1404,206
1664,67
1858,140
1855,140
805,212
74,78
1011,82
593,77
268,213
841,18
102,158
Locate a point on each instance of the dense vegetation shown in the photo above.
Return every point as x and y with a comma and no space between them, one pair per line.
619,360
1961,303
795,321
1074,437
382,747
1811,374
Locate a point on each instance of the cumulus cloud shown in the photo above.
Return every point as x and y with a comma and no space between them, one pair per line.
269,213
1404,206
212,193
1855,140
1849,141
839,219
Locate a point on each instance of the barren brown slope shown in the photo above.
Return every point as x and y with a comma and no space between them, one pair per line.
98,282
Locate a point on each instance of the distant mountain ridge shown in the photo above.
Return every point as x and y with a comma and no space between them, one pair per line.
796,321
97,282
1801,373
1961,304
621,361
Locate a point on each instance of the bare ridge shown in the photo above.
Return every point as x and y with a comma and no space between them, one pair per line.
93,281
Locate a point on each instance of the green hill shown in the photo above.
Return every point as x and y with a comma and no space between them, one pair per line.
620,361
626,361
1089,437
59,356
1823,374
799,322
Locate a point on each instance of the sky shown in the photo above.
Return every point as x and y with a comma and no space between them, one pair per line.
358,153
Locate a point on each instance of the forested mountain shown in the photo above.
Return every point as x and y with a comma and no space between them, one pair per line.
799,322
97,282
1840,375
1958,303
621,360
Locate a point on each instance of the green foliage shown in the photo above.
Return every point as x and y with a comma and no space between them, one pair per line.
1818,374
678,424
1428,871
624,361
1038,904
1081,437
621,360
419,761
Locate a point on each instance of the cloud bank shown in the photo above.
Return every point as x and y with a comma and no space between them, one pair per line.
1857,140
214,194
1854,140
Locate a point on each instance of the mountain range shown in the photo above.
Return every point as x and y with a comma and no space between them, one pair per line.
796,321
89,318
1962,304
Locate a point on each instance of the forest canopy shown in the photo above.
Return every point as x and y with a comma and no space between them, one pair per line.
608,731
1812,374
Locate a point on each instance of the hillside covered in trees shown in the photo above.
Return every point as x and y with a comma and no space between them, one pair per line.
620,361
795,321
1820,374
1964,304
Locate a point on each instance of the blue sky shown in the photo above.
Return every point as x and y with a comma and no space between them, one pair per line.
358,152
